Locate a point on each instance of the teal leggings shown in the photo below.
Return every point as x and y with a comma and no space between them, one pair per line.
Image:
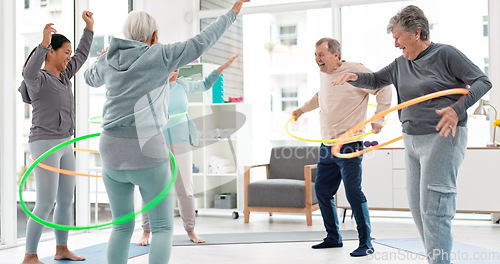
120,188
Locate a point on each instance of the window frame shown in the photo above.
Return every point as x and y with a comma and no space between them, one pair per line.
284,37
336,5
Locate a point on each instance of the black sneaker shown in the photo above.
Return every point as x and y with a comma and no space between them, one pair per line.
362,251
326,244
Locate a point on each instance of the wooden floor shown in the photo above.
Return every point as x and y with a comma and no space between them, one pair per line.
470,229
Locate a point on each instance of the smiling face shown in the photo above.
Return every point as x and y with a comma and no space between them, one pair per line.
59,58
409,43
326,61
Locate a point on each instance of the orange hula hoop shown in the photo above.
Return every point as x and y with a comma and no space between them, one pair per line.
356,128
68,172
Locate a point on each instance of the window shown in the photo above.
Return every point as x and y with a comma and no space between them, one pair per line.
279,64
487,66
110,23
27,111
29,30
289,99
26,51
97,46
273,42
224,4
288,35
229,45
358,24
485,26
219,4
274,2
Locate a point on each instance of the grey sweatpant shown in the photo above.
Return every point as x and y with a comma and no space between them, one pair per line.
432,163
51,186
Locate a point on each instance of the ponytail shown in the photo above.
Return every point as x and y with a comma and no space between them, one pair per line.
28,58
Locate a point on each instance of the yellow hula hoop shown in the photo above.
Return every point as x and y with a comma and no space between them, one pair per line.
330,140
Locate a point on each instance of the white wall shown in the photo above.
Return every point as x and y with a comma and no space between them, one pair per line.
174,17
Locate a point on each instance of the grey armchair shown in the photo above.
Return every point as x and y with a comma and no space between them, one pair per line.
289,186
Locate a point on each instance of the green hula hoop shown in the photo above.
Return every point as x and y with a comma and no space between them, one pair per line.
177,115
117,221
93,120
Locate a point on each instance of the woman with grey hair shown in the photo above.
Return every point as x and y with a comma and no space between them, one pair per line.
135,72
432,155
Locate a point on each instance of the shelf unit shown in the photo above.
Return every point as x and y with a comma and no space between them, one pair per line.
232,118
224,131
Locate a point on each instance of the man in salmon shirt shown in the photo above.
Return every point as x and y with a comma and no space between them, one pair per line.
341,107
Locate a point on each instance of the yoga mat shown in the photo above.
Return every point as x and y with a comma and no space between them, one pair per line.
461,253
264,237
96,254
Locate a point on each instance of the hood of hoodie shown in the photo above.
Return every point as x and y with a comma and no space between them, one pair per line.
23,89
123,53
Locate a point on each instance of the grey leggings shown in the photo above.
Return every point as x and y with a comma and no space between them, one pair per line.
120,188
51,186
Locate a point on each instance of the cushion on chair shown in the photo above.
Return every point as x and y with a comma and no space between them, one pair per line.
279,193
289,162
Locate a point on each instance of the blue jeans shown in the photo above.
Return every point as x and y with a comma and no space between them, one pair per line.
331,171
432,163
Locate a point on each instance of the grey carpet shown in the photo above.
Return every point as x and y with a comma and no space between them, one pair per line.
97,253
264,237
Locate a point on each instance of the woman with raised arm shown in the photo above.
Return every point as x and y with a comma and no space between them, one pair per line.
49,91
181,135
135,72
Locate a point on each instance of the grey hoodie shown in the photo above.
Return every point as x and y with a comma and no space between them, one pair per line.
51,97
136,79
